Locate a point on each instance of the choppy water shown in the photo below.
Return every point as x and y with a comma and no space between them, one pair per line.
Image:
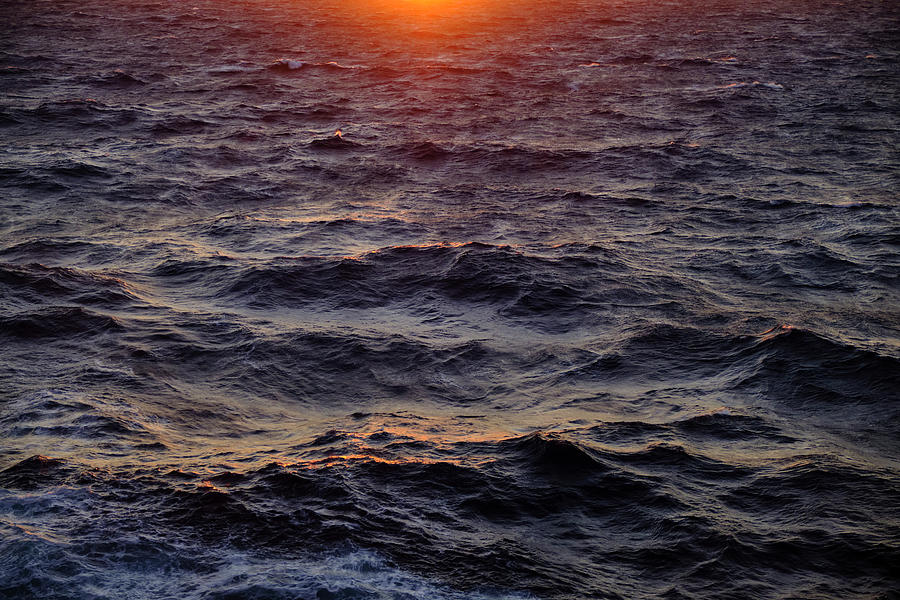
588,300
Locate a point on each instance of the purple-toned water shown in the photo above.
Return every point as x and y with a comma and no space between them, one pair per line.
584,300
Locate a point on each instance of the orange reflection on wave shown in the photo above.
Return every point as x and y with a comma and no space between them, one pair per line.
776,331
417,8
423,23
349,459
371,253
418,441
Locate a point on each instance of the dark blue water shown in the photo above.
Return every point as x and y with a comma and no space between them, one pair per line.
449,300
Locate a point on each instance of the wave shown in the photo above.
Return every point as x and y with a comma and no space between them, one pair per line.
194,572
226,69
7,120
79,112
117,79
552,454
772,85
57,322
728,425
286,64
179,125
424,150
334,142
555,484
34,472
515,282
36,284
798,365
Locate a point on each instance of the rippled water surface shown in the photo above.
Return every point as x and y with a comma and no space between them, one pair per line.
450,300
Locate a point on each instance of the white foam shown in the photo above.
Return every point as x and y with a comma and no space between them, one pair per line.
357,574
772,85
232,69
337,65
298,64
146,570
290,64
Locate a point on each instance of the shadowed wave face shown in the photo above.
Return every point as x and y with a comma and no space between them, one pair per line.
458,300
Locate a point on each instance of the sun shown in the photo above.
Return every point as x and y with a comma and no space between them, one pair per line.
421,6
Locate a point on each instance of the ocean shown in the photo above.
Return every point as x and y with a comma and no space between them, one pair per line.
449,299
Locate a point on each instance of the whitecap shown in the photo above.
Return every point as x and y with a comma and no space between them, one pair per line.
231,69
336,65
146,571
289,63
772,85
